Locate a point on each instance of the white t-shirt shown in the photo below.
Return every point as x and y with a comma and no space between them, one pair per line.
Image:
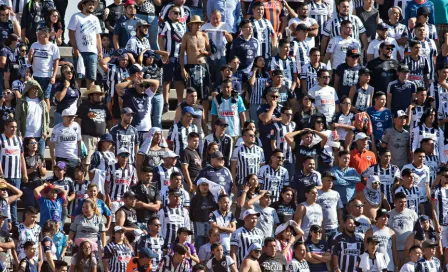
374,47
216,34
408,267
86,28
43,58
33,118
326,99
338,48
66,139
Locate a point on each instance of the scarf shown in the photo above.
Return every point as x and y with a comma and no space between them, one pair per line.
380,261
372,196
146,146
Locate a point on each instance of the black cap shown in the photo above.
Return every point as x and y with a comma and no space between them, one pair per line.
429,244
216,155
129,194
184,229
221,121
328,174
127,110
44,28
352,52
423,11
309,97
174,191
142,23
302,27
403,68
387,43
348,217
382,26
136,68
315,228
381,213
363,71
373,239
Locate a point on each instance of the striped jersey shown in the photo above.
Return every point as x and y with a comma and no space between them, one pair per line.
120,180
288,66
415,115
278,133
173,33
300,51
171,220
119,255
10,153
309,73
440,196
161,176
413,197
320,12
256,91
273,180
230,110
115,75
185,13
428,51
155,244
167,265
439,93
357,3
388,177
223,221
419,69
424,265
421,132
248,161
433,163
178,135
263,31
347,249
242,239
273,11
184,197
421,177
136,45
80,194
431,32
333,26
126,138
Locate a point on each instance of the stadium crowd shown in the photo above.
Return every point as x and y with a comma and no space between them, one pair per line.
299,136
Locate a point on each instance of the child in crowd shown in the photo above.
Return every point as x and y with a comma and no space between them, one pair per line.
361,94
60,241
220,262
80,185
205,251
28,264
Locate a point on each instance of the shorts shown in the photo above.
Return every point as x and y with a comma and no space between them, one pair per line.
114,206
171,71
199,79
90,63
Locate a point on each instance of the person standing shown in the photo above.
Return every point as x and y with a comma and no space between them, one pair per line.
298,262
325,96
138,44
428,261
278,132
347,73
309,212
413,199
396,139
346,177
384,68
94,117
125,135
273,176
246,47
217,172
224,220
271,259
224,141
153,240
178,134
382,33
380,116
191,161
84,33
263,31
126,26
331,204
44,57
148,197
401,92
342,259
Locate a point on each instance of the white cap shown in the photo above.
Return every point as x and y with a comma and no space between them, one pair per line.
401,113
361,135
374,178
170,154
68,112
123,150
282,228
250,212
118,228
138,232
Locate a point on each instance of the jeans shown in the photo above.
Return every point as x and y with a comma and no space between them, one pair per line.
215,68
200,233
28,198
253,113
44,83
57,118
16,183
153,30
90,63
197,11
157,109
41,146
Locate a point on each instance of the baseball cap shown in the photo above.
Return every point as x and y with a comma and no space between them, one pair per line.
189,109
221,121
106,137
250,212
268,194
352,52
363,71
146,253
302,27
184,229
174,191
254,246
44,28
400,113
403,68
216,155
122,150
423,11
271,90
118,228
128,194
328,174
127,110
373,239
142,23
387,43
361,136
128,3
423,218
136,68
282,227
68,112
381,213
169,154
61,165
348,217
428,244
382,26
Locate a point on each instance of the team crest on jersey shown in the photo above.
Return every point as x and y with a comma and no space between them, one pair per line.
368,157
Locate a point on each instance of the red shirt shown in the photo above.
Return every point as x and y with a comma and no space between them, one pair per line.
361,161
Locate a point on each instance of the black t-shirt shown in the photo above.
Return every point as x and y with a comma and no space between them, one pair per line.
300,181
192,158
202,207
348,76
34,179
146,195
285,212
274,264
5,114
383,72
94,118
301,151
115,12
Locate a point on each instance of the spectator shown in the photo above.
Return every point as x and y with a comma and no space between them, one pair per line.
373,198
28,263
325,96
231,12
216,172
126,135
274,176
102,158
428,259
223,220
263,30
93,117
419,72
126,217
48,248
268,216
50,199
286,205
163,172
179,131
153,241
379,259
246,47
271,258
411,11
356,209
29,231
84,33
116,10
414,201
118,252
382,31
175,183
205,253
347,73
330,201
346,177
178,260
221,139
268,114
66,93
360,157
306,109
84,259
415,253
191,100
138,44
287,64
338,251
384,68
53,21
34,13
369,17
148,197
33,115
9,61
309,212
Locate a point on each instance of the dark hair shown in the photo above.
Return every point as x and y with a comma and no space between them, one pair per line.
105,35
260,70
378,94
268,240
222,196
49,228
413,43
28,244
26,142
246,123
32,210
175,174
151,219
419,25
314,49
321,71
425,140
61,80
245,131
59,264
344,97
419,150
3,7
191,90
399,195
426,114
345,22
285,109
421,89
282,42
58,24
414,247
146,169
257,4
442,67
173,6
243,23
343,153
246,181
180,249
298,243
293,202
309,188
301,5
193,135
383,151
80,256
11,38
277,150
406,172
226,81
198,267
215,245
316,116
307,157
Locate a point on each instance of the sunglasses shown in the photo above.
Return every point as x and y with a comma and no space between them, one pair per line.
8,92
359,206
376,182
275,96
124,155
280,158
355,57
388,48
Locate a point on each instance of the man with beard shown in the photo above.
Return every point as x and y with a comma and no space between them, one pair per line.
382,31
139,43
271,259
250,262
273,176
93,117
347,246
125,135
372,197
126,217
384,68
126,26
148,197
217,172
224,141
298,262
84,33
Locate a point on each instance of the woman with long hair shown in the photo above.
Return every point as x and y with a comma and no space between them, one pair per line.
66,92
306,110
211,147
118,252
258,79
325,160
49,229
319,250
84,260
286,205
284,237
251,188
429,128
53,22
8,61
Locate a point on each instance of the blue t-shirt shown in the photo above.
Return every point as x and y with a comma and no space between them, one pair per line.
401,94
60,241
71,96
381,120
125,28
141,105
412,7
320,249
50,209
265,130
246,51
